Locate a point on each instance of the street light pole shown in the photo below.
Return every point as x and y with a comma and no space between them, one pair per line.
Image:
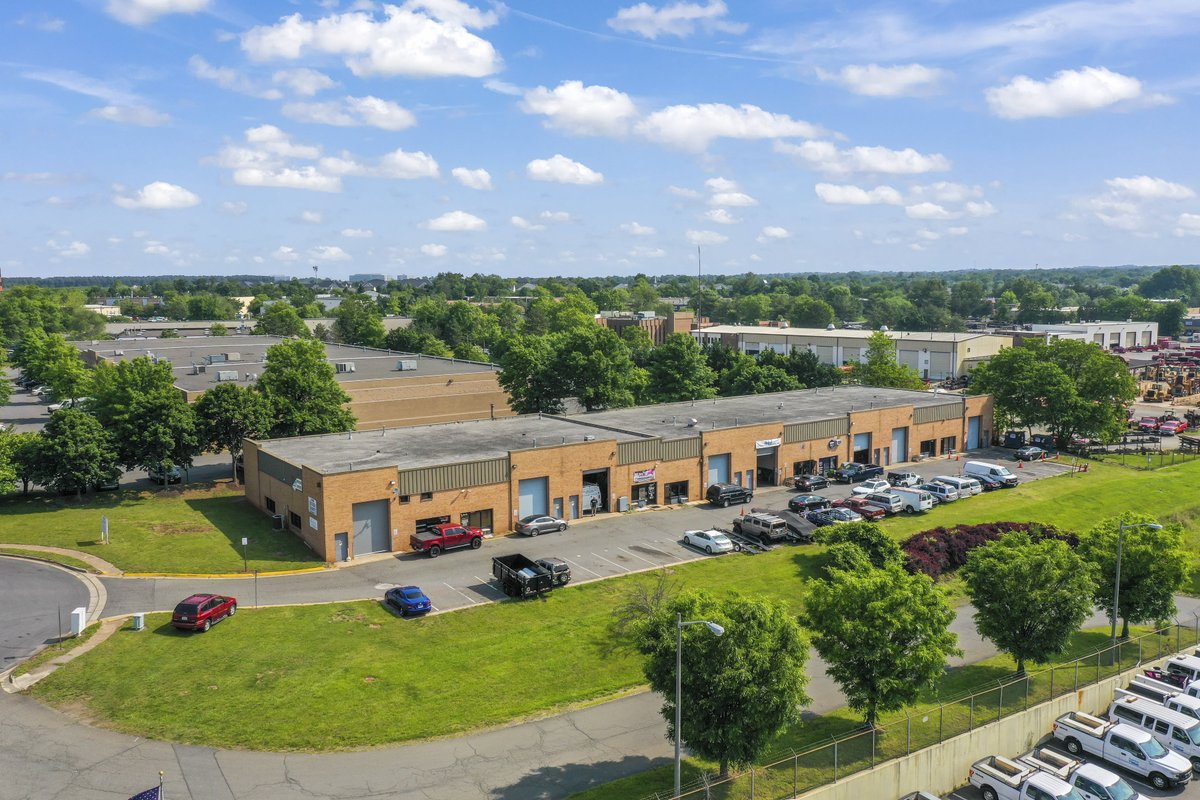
1121,527
679,626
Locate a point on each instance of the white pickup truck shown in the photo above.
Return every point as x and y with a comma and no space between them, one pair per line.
1090,781
997,778
1126,746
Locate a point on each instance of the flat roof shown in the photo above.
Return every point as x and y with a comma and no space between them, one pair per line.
185,354
844,333
432,445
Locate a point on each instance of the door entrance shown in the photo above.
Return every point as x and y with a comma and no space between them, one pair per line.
718,469
533,497
645,494
371,534
973,430
574,505
595,488
862,448
558,507
341,546
767,466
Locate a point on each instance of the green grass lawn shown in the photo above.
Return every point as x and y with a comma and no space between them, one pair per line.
351,675
57,558
169,531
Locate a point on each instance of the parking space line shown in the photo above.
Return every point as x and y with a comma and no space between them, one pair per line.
635,555
465,596
578,566
488,584
615,564
655,549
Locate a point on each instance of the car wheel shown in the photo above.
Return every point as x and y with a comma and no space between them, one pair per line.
725,503
708,549
1159,781
988,793
207,624
562,527
233,609
435,551
532,532
1073,746
476,543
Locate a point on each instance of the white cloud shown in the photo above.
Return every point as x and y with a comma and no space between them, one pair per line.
826,157
434,250
575,108
158,195
398,164
693,128
560,169
737,199
685,193
42,22
288,178
928,235
1188,225
721,216
329,252
835,194
679,19
647,252
229,78
957,230
142,116
637,229
473,178
706,237
928,210
526,225
1147,188
873,80
721,185
315,217
419,39
555,216
773,232
947,192
284,253
455,221
981,209
74,249
357,233
1069,92
232,207
303,81
353,112
143,12
503,87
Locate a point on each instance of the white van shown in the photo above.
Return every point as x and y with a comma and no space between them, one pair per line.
913,500
994,471
965,486
1185,704
1188,666
1173,730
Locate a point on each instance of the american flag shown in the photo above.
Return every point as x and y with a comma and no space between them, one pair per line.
149,794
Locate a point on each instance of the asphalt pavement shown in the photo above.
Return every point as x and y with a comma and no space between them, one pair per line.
37,600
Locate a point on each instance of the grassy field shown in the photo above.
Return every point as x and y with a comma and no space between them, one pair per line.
55,650
170,531
352,675
57,558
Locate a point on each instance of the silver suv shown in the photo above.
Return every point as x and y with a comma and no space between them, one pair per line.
766,528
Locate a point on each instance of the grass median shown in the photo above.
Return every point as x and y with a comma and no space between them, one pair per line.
167,531
46,555
352,675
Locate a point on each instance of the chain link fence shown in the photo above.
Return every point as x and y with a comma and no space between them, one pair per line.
790,773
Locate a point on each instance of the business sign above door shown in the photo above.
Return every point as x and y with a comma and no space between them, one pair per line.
759,445
644,475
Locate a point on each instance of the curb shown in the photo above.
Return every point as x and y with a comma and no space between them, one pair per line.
222,575
80,570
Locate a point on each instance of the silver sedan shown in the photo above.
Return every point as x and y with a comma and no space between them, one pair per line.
534,524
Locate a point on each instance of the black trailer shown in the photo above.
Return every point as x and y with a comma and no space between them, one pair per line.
520,576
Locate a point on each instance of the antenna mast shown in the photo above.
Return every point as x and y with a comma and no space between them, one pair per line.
699,295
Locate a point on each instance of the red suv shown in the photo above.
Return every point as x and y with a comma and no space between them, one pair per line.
201,611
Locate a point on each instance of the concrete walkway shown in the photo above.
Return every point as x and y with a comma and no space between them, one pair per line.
95,562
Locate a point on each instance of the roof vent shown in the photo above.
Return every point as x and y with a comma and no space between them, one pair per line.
830,327
691,422
587,437
883,328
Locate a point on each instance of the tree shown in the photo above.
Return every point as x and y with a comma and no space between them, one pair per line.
217,329
281,319
22,454
803,365
1154,565
61,368
168,333
73,453
678,371
358,321
229,413
880,549
408,340
747,376
526,373
809,312
880,367
597,367
884,633
304,395
1030,597
137,403
741,689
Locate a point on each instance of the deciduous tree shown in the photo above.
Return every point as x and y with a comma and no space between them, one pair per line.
304,395
880,367
281,319
73,453
228,413
880,549
678,371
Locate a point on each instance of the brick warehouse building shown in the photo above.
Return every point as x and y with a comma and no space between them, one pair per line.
367,491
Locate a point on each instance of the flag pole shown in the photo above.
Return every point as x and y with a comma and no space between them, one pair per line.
160,783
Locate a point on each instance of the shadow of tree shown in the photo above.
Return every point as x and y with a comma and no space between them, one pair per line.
562,781
235,518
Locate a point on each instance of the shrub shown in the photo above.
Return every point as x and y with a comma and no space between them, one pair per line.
942,550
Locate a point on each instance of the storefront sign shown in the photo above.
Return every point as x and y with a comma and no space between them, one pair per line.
767,443
644,475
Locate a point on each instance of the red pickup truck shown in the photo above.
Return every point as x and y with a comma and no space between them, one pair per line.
446,536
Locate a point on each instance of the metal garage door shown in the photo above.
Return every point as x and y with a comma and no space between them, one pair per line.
371,528
534,496
909,358
973,433
899,444
939,366
718,469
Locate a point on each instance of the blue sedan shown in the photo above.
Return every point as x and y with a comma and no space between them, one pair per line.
408,600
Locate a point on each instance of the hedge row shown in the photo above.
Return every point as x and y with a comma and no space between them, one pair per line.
941,550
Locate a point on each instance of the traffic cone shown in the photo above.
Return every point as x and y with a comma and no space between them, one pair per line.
1020,465
1043,456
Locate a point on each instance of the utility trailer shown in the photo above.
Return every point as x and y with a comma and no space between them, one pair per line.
521,576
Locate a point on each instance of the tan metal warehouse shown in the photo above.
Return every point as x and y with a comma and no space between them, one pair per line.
350,494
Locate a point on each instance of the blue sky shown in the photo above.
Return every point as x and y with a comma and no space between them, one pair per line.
593,138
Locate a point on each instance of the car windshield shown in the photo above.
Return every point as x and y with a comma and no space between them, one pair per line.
1153,749
1121,790
1194,734
1069,795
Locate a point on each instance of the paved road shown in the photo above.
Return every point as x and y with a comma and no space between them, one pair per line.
34,598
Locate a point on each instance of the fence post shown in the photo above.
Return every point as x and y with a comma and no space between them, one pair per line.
835,761
971,719
1000,715
795,774
941,720
908,733
752,783
1077,674
1052,683
872,746
1098,667
1026,691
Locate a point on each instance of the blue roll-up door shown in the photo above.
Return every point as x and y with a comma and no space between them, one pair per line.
899,444
973,433
862,441
534,496
718,469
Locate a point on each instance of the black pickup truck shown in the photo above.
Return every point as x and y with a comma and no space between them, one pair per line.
520,576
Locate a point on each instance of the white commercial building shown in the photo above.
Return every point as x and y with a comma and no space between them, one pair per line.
1105,334
935,355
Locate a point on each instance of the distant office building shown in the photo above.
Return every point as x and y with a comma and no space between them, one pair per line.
103,310
1106,334
658,327
363,277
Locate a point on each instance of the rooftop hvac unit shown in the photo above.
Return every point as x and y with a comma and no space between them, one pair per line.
405,365
232,356
227,375
216,358
345,366
587,437
118,352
